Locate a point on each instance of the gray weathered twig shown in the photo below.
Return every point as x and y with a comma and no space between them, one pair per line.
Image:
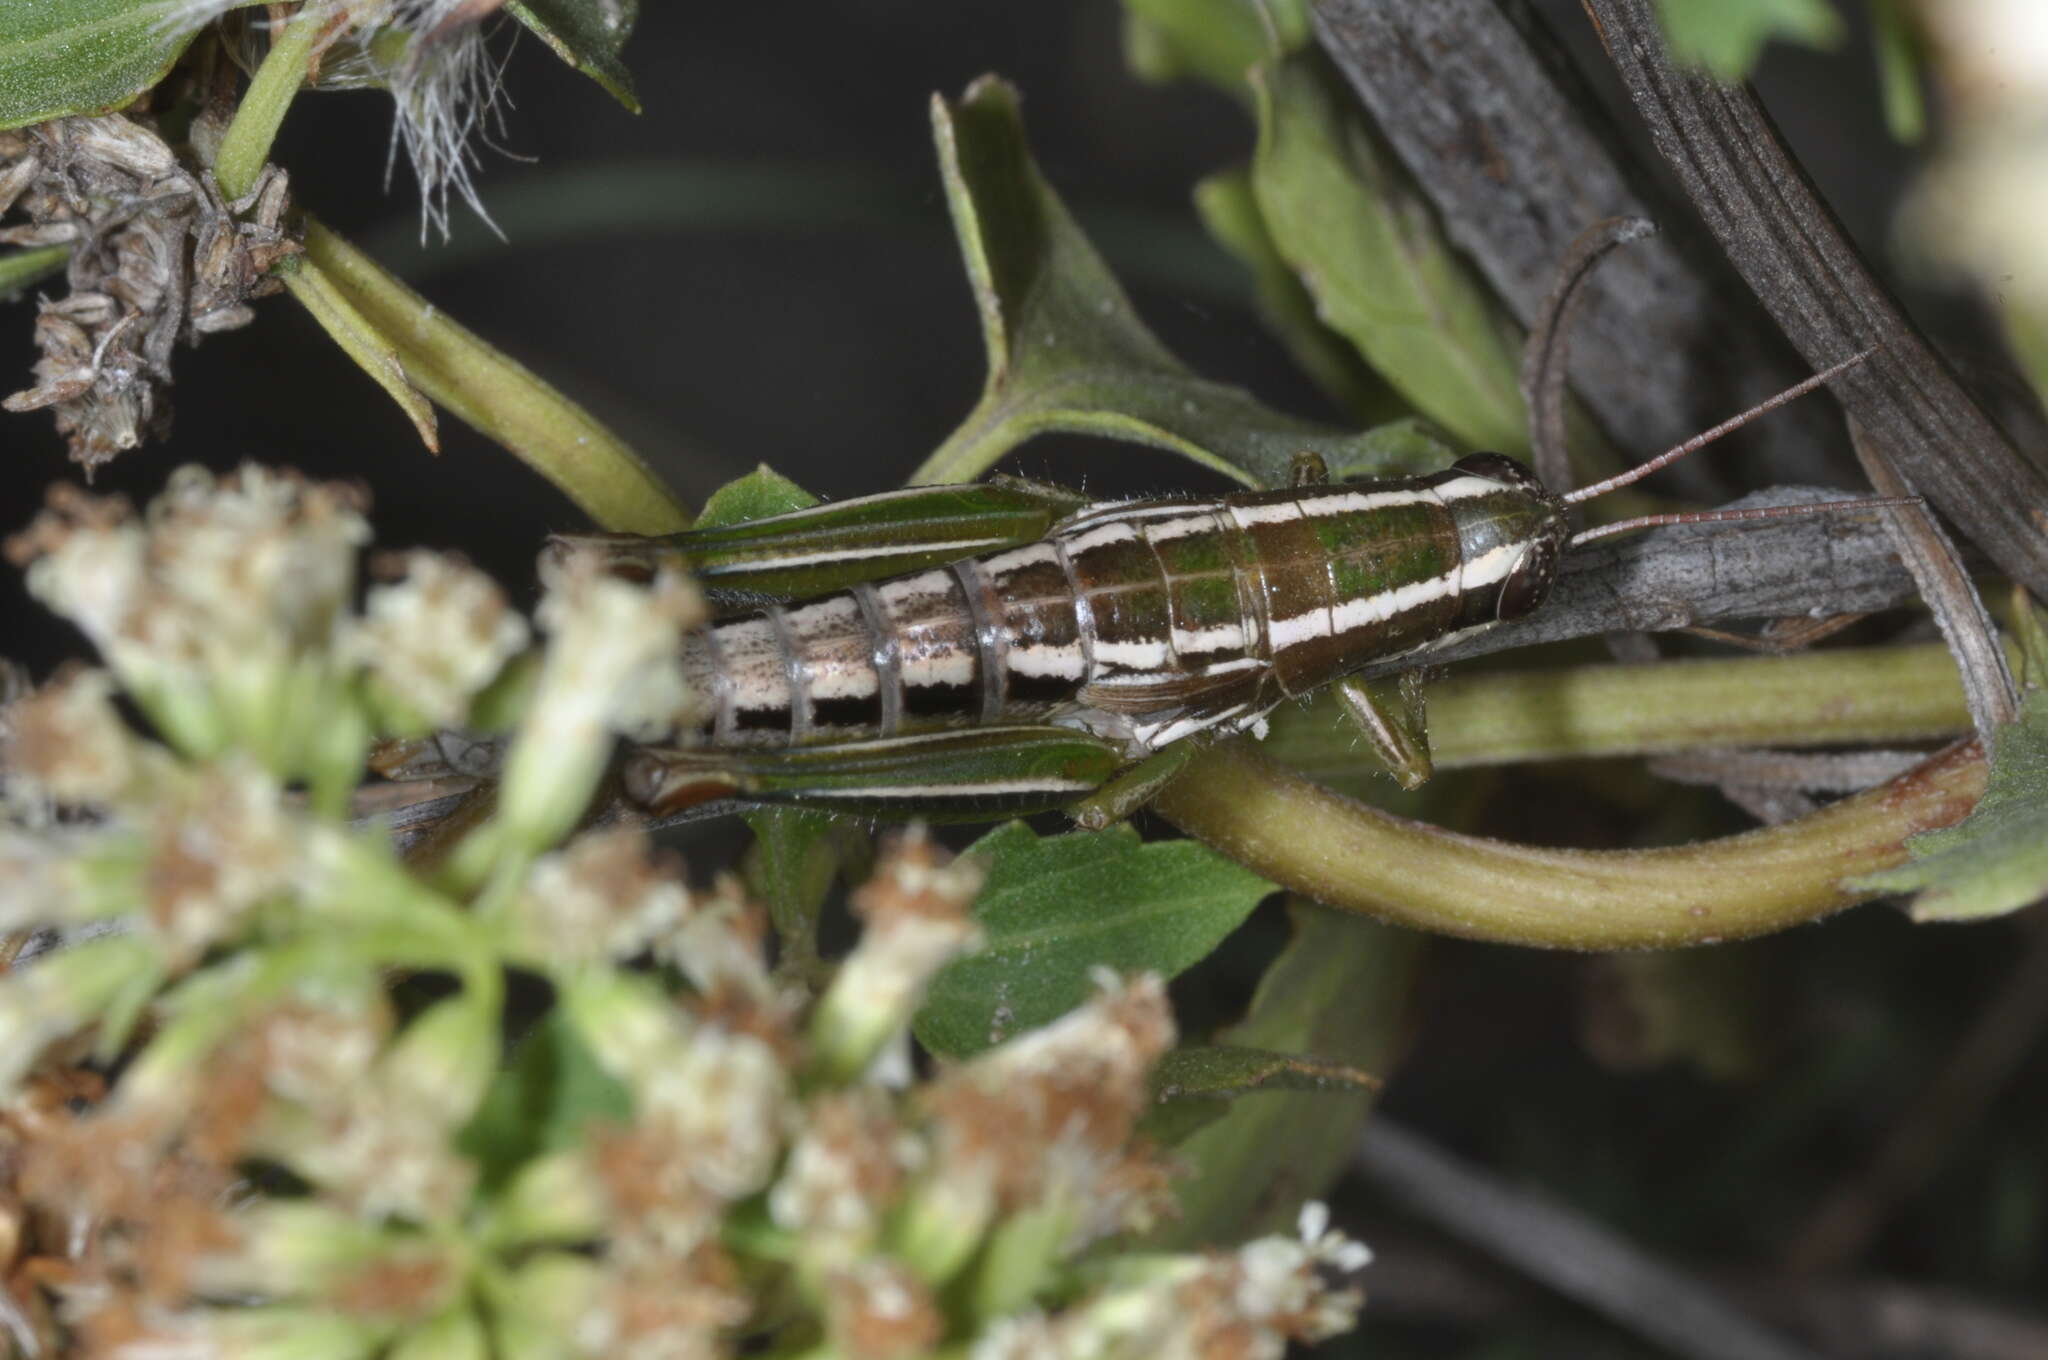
1794,255
1689,575
1497,127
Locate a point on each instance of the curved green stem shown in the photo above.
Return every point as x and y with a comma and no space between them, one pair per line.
24,269
1837,697
246,145
1348,855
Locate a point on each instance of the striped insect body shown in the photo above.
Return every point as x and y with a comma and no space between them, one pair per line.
1129,627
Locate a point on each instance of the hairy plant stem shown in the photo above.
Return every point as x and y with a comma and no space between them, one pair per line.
246,146
1847,695
1343,853
488,390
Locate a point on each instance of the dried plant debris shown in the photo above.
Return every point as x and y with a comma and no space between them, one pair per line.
156,253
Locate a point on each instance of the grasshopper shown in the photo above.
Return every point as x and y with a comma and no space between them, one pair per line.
980,651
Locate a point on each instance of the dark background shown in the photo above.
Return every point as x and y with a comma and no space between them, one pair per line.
759,268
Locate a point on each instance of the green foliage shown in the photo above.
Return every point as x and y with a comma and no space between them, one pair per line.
21,270
1214,40
1339,991
1056,907
1727,36
1230,210
1996,860
543,1100
1066,350
1368,248
61,57
589,35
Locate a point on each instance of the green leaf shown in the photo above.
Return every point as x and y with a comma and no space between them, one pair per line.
1995,860
431,355
1339,991
60,57
1368,248
541,1101
1213,40
758,495
1727,36
1900,57
1066,350
796,855
589,35
1055,907
1230,211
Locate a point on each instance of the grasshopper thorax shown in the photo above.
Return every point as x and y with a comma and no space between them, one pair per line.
1510,540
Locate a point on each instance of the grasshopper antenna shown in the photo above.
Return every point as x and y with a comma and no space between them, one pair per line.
1700,441
1718,516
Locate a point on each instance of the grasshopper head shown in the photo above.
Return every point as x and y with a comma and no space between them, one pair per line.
1511,535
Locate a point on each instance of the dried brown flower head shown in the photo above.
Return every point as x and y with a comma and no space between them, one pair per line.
156,253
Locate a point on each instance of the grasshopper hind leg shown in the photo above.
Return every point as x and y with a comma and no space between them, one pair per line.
974,774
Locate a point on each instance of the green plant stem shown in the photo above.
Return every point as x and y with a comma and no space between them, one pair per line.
1345,854
1873,694
26,268
488,390
246,146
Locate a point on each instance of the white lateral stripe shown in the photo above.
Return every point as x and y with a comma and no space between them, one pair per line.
1285,633
1280,512
1116,531
1043,784
964,548
1469,488
1136,656
1227,637
1182,527
1067,663
1030,555
1384,604
953,667
939,583
1357,502
1493,565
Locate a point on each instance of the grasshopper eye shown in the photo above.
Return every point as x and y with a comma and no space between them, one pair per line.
1527,583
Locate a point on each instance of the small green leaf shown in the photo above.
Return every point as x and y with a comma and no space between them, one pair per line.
1066,350
1995,860
541,1101
758,495
60,57
1213,40
589,35
1230,211
1339,991
1727,36
1368,249
1055,907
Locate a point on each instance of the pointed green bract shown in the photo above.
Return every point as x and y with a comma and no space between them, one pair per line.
758,495
1995,860
1066,349
589,35
1213,40
1057,907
